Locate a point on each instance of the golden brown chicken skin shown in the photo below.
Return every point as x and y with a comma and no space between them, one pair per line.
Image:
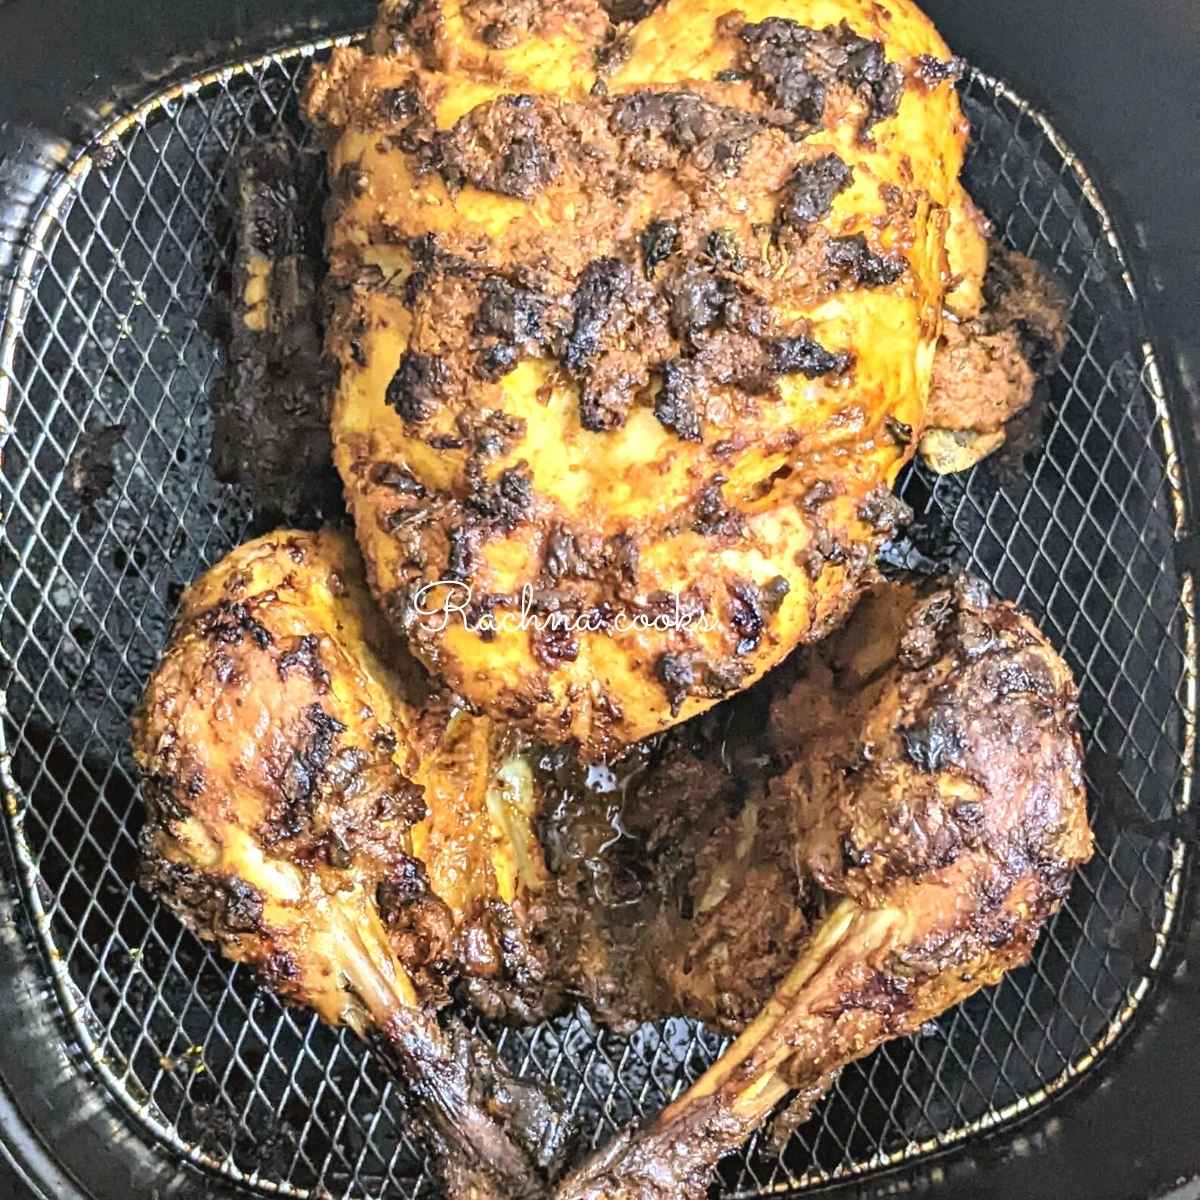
282,751
268,744
635,327
936,805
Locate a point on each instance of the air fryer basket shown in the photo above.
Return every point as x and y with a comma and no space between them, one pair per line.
110,324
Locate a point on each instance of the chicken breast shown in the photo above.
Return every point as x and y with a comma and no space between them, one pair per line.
635,327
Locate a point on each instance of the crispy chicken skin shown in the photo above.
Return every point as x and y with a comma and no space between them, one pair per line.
632,322
936,802
320,818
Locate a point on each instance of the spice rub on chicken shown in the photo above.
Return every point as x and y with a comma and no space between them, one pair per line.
635,326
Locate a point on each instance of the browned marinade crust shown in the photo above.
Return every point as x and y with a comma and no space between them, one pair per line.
276,735
490,24
579,272
938,724
987,367
965,744
243,734
795,68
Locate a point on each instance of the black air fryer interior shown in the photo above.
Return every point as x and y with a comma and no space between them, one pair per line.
108,1008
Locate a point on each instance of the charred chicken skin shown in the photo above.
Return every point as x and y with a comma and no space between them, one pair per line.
891,838
635,327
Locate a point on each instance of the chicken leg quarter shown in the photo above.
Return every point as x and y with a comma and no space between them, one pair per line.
319,817
916,818
936,801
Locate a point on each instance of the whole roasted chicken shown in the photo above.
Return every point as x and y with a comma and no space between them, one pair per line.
891,839
635,322
635,325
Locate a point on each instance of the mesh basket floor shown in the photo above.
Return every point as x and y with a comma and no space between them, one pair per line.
114,328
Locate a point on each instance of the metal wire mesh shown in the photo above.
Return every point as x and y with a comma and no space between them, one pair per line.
116,330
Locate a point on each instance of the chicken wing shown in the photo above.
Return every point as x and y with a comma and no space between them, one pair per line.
635,327
989,364
270,420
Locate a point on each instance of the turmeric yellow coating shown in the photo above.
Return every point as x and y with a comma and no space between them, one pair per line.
635,328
